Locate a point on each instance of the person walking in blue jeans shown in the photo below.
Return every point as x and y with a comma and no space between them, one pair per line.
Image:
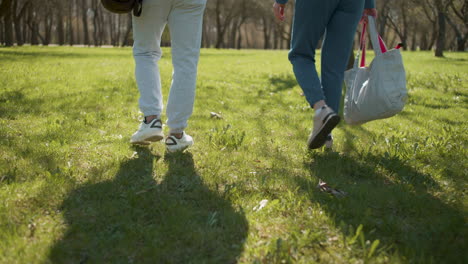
338,20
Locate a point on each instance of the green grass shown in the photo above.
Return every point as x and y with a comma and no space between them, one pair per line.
74,191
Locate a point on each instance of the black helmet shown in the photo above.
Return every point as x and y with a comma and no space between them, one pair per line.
123,6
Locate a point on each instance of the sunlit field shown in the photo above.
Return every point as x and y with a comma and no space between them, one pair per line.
73,189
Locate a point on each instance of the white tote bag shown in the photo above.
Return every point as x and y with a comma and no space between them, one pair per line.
378,91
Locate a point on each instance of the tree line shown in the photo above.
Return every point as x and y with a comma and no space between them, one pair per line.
238,24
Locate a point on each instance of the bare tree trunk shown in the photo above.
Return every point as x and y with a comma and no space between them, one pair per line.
433,38
34,33
8,24
17,21
18,33
413,41
219,26
382,18
460,39
2,35
112,29
24,27
102,29
84,18
266,33
432,18
423,43
5,7
95,23
48,23
234,31
117,37
392,41
247,40
60,27
239,39
77,21
440,46
205,32
126,40
71,37
401,30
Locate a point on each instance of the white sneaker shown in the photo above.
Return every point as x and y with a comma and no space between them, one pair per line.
324,122
174,144
148,133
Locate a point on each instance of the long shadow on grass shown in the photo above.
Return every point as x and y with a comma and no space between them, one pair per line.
15,103
282,82
393,202
133,219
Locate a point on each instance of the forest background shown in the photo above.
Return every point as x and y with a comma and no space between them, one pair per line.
437,25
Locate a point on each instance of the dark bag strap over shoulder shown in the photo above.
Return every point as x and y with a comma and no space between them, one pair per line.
138,8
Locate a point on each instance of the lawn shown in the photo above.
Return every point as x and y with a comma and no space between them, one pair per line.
73,190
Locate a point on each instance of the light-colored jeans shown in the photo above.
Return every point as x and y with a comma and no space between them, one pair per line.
185,18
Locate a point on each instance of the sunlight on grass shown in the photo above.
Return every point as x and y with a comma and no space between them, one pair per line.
74,190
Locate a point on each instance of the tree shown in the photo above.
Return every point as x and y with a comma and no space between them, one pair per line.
6,11
460,11
18,12
420,24
442,8
84,18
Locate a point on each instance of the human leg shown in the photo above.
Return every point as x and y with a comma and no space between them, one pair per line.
310,20
185,24
336,48
147,30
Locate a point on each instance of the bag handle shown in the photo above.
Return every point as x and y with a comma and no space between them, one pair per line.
376,39
363,45
358,60
377,42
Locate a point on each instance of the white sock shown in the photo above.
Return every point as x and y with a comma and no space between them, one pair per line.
317,112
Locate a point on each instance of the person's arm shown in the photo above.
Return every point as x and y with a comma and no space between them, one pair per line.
369,10
278,9
369,4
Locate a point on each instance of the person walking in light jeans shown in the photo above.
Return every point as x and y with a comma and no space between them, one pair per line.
184,18
338,19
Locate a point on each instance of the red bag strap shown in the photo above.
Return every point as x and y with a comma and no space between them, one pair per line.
363,45
383,48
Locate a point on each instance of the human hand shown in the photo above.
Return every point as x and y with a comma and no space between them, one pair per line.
368,12
278,9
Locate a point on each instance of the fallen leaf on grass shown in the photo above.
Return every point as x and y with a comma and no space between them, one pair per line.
32,229
324,187
260,205
146,190
216,115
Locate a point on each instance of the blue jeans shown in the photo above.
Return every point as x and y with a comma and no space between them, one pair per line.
338,19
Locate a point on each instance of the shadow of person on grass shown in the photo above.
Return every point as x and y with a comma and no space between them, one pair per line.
133,219
394,203
282,82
